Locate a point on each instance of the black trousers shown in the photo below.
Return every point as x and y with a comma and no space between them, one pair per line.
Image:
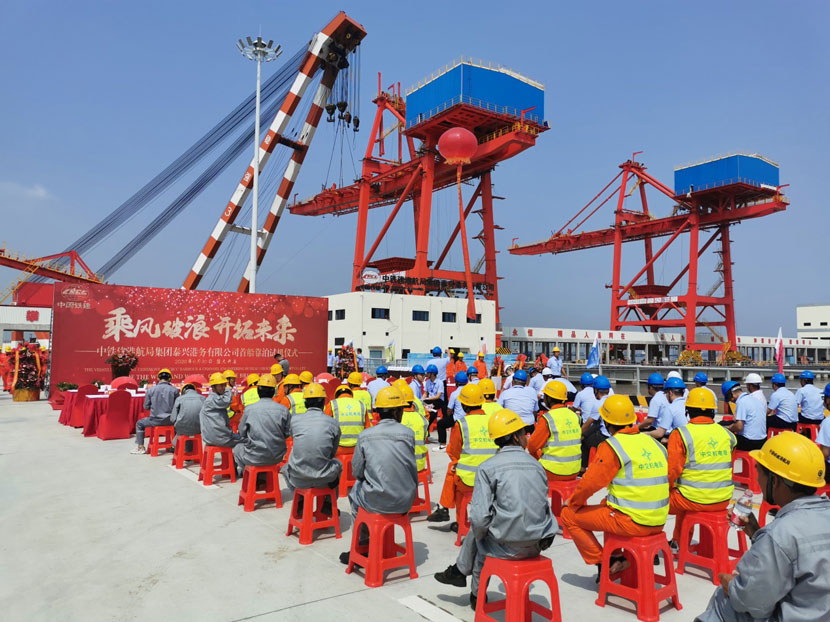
803,419
774,421
592,439
745,444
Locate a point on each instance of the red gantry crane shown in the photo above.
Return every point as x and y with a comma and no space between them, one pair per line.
710,197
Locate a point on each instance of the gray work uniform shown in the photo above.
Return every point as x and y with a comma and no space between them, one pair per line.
312,463
263,428
185,413
213,419
509,513
785,575
159,401
385,469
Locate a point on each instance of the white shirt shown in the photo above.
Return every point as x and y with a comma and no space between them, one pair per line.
759,395
375,386
555,365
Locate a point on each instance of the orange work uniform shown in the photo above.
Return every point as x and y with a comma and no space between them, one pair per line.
279,397
237,408
540,436
453,486
593,518
481,366
678,504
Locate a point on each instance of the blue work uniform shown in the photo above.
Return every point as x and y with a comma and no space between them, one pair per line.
417,389
434,388
375,386
584,401
782,403
811,401
656,405
555,365
441,366
749,410
455,406
521,400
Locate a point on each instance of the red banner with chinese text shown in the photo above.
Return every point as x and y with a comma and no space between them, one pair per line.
189,332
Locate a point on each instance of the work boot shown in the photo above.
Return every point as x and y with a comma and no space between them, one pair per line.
473,601
452,576
674,546
139,450
344,559
454,527
440,515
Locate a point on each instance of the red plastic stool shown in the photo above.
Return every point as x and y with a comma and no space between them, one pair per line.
462,500
209,469
637,581
429,468
181,455
382,553
347,479
422,504
712,550
559,492
313,518
748,475
774,432
249,494
810,428
517,575
763,511
156,442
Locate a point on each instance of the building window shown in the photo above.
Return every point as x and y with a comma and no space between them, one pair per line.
405,353
822,323
329,316
380,314
340,314
808,323
339,341
475,321
448,317
420,316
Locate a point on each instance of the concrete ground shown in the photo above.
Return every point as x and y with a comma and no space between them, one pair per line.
91,532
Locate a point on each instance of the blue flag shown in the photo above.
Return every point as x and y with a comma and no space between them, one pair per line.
593,357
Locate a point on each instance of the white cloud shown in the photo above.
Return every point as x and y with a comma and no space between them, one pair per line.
13,191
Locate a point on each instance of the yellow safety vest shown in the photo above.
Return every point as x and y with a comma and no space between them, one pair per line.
491,407
419,408
707,474
477,446
251,396
640,488
562,453
350,415
297,403
419,425
364,396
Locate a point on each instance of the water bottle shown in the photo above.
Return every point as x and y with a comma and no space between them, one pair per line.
741,509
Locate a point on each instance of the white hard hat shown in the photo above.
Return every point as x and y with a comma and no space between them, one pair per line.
753,379
547,371
674,374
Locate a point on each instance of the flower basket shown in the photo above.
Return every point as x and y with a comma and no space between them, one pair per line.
26,395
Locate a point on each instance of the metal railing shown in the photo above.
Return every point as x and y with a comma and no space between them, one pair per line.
476,102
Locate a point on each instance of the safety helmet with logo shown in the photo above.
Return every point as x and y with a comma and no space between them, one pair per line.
355,379
807,375
267,380
417,369
727,387
656,380
406,391
753,378
520,376
471,395
618,410
164,371
292,380
487,387
701,398
277,369
229,373
216,378
461,378
674,384
794,457
389,397
432,369
472,371
343,388
313,390
503,423
556,390
778,379
701,377
601,383
252,379
306,377
381,371
586,379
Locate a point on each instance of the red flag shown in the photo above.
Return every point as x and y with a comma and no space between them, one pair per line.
779,351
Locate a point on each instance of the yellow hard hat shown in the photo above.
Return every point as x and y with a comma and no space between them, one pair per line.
215,378
292,379
276,368
343,388
461,355
400,382
389,397
794,457
555,349
306,377
252,379
187,386
618,410
503,423
406,391
267,380
701,398
355,378
471,395
164,371
487,387
557,390
229,373
312,390
480,354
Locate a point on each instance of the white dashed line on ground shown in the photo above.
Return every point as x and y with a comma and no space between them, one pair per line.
426,609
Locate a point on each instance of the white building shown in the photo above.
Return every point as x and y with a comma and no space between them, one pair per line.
813,322
374,320
17,322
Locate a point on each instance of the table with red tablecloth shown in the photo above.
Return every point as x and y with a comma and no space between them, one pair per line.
69,399
96,405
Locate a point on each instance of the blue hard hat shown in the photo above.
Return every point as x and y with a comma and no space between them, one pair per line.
587,379
520,376
417,369
461,378
381,370
432,369
701,377
827,390
602,383
675,383
726,387
778,379
436,351
471,371
807,375
655,379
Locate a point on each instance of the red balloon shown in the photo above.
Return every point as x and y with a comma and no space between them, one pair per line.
458,145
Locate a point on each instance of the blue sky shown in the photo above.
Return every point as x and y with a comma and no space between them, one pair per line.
99,97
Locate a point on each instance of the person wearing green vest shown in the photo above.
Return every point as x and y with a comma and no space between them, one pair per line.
700,462
415,421
350,414
251,395
488,389
355,379
557,438
634,468
294,394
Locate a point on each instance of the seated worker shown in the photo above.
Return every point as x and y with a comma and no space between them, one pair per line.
823,437
808,398
453,405
384,464
510,516
213,418
782,411
355,379
472,375
306,378
700,462
470,446
594,431
521,400
251,395
417,405
488,390
785,574
417,384
548,375
416,422
381,374
263,429
585,396
294,401
656,404
753,386
185,413
312,463
556,440
537,380
159,401
750,426
674,416
701,380
351,417
634,468
236,407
